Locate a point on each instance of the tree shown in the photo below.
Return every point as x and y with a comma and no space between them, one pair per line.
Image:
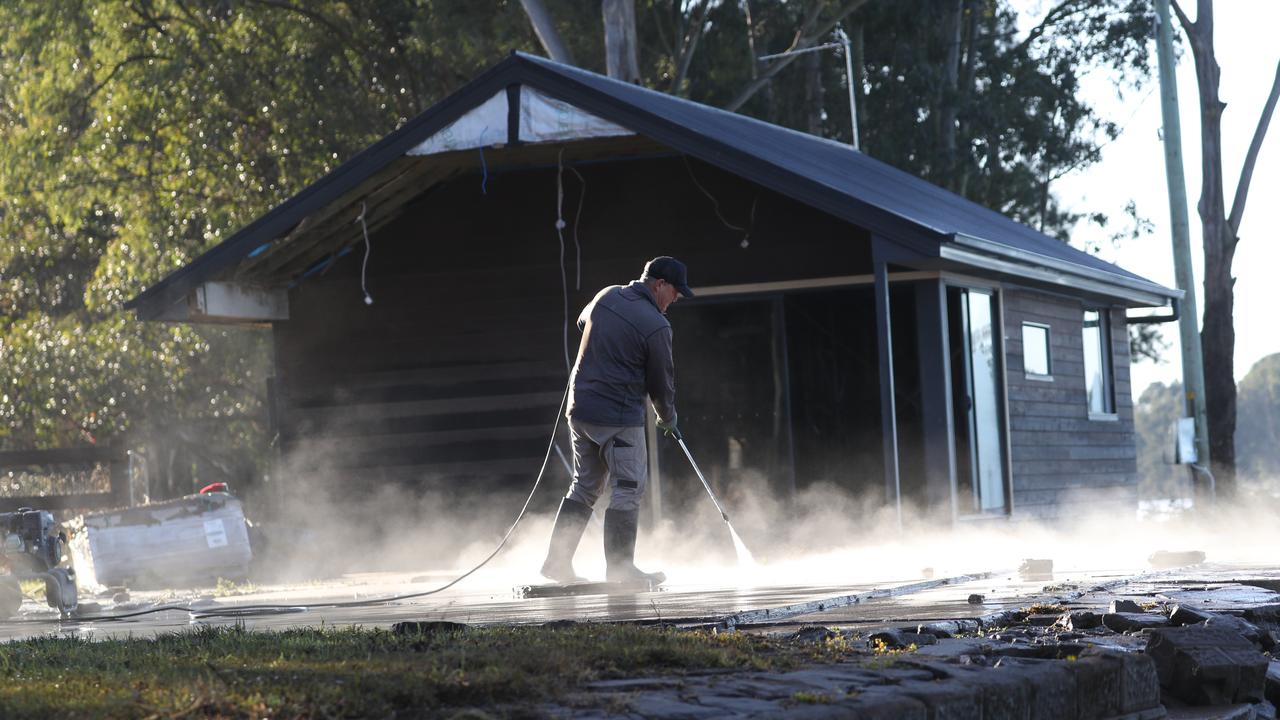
138,135
1157,409
1258,440
1220,235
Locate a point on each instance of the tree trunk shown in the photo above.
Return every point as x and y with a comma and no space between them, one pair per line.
621,60
545,29
1217,335
948,94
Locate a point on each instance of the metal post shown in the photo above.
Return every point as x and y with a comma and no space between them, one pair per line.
888,407
848,75
843,42
1192,357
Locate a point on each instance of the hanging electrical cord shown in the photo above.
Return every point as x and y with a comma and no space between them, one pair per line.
280,608
577,220
715,205
368,299
564,280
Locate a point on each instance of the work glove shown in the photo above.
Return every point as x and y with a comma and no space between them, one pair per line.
670,430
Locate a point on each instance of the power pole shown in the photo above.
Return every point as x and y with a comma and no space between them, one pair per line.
1192,358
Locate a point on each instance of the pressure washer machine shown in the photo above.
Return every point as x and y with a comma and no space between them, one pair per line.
32,548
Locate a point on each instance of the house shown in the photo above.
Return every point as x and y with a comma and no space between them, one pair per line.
853,324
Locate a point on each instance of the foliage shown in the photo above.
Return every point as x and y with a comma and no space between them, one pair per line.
138,135
1258,421
1153,417
1257,439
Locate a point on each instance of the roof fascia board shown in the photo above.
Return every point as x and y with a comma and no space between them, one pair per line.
880,222
151,303
1033,258
1157,297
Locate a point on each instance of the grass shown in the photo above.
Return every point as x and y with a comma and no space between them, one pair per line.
351,672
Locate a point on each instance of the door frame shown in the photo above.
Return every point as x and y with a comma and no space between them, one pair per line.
996,290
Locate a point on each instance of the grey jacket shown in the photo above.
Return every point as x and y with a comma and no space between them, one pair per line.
625,354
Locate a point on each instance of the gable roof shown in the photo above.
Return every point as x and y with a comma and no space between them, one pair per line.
822,173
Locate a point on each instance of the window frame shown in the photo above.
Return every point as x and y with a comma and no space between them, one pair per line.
1106,362
1048,351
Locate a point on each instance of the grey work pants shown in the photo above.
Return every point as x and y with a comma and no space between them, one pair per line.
602,453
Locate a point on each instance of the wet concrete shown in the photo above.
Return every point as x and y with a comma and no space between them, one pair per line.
489,601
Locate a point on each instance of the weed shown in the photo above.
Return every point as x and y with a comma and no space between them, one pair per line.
810,698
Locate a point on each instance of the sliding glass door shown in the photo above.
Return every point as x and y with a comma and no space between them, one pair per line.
977,392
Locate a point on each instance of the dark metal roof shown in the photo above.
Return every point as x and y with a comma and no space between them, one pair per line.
825,174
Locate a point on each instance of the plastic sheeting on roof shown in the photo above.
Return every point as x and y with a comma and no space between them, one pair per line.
542,119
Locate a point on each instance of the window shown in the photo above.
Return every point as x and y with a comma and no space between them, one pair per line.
1035,351
1098,380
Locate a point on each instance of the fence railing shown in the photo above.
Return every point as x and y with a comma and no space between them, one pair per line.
114,457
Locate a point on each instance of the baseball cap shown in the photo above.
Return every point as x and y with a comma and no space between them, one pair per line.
665,267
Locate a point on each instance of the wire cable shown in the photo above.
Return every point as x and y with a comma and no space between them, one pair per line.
281,608
368,299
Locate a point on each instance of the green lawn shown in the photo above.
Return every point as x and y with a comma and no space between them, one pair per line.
237,673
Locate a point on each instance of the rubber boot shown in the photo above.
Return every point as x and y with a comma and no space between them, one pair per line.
571,521
620,527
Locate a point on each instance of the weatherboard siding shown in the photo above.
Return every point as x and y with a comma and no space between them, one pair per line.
1064,462
450,380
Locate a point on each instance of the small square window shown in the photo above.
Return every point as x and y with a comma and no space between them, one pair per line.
1035,350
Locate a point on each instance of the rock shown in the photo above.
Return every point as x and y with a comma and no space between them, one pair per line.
1132,622
1271,684
1183,615
1207,666
1164,559
1042,620
950,628
427,627
1052,686
1270,639
1247,630
812,633
1125,606
1036,569
1266,617
88,608
120,597
897,639
976,599
1080,620
1110,683
1004,618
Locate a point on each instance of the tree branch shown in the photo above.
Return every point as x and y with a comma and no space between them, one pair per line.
1187,26
805,37
687,45
1060,11
545,29
1246,173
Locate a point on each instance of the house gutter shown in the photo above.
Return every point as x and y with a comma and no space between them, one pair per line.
975,251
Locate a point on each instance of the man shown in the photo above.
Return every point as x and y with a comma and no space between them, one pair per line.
625,354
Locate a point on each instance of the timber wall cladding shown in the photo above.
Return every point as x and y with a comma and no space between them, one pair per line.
1062,460
451,378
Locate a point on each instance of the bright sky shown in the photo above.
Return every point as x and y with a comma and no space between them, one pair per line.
1133,168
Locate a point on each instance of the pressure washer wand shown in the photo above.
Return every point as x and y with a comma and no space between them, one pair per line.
680,439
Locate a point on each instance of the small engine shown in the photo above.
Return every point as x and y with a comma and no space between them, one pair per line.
31,547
